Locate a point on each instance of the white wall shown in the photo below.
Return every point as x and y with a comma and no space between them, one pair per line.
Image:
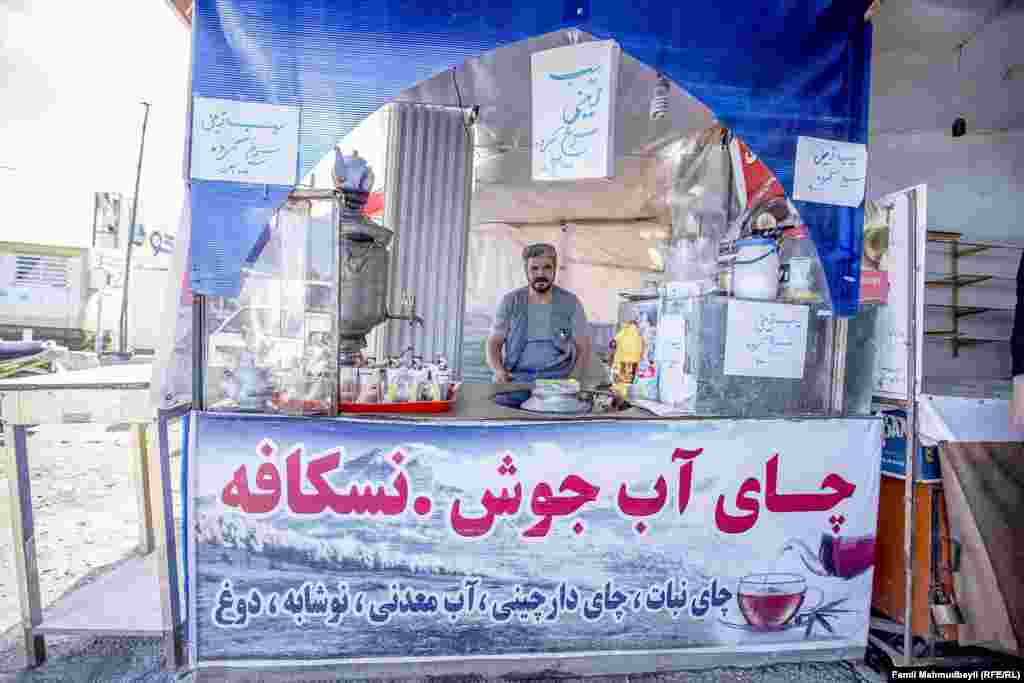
975,183
921,82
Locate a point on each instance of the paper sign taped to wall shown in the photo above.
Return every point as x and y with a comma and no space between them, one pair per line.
573,91
244,142
830,171
765,339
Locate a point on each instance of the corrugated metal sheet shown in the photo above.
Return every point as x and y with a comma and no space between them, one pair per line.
428,186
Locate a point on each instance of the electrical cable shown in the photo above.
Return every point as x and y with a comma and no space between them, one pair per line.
458,96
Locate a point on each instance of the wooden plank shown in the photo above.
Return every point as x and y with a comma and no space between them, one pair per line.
945,562
124,602
943,236
140,461
888,596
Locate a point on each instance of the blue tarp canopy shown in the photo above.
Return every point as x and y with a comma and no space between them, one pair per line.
769,70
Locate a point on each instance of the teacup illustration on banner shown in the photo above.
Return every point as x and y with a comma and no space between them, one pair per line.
772,602
837,557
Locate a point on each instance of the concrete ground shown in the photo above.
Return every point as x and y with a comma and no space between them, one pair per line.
103,660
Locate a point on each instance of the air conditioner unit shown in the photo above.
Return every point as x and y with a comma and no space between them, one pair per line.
42,287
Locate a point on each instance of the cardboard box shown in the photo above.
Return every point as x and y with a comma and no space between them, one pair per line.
894,445
874,287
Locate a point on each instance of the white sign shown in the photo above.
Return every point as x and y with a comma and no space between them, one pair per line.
760,540
892,331
244,142
574,91
830,171
765,339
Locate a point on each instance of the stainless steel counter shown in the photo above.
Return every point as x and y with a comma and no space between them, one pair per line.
476,403
140,597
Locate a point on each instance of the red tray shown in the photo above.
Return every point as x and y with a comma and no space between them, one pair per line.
408,408
304,407
412,407
421,407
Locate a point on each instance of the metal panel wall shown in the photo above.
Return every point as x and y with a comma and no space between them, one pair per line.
428,189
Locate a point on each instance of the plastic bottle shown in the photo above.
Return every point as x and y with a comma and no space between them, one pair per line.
798,264
629,349
369,389
443,377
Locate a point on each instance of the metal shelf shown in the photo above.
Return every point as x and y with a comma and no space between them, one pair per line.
974,246
964,280
125,602
966,311
956,281
961,339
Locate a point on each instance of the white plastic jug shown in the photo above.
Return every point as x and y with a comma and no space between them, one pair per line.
756,269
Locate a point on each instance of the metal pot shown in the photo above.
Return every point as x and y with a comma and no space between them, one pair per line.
363,262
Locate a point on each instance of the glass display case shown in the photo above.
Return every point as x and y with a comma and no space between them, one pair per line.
731,357
274,347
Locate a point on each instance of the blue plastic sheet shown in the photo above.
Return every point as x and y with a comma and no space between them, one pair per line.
771,70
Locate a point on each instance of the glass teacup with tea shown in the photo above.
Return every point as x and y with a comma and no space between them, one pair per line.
771,602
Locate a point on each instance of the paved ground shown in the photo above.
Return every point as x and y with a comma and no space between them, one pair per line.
89,660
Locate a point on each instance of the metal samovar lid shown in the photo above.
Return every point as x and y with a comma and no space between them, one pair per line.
358,228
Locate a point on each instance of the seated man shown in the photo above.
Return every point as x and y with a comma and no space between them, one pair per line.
540,331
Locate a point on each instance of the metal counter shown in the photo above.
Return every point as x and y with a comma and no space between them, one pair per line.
140,596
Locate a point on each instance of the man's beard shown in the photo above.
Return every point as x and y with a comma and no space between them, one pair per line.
541,285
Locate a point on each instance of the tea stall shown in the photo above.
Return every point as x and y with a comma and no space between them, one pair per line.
362,496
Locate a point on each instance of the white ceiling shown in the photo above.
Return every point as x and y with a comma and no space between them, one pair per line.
933,25
917,61
921,82
499,83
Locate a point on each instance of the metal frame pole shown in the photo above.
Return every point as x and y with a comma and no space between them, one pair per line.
910,455
166,545
199,352
23,528
123,344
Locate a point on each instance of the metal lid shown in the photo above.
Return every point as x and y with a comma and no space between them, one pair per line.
304,193
362,229
644,294
753,241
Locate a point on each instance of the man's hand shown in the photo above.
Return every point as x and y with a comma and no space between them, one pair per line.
1017,404
502,376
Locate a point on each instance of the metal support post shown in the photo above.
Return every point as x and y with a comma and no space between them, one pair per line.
25,565
910,455
166,546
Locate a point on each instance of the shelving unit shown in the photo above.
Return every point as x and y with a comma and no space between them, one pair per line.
956,281
963,280
961,340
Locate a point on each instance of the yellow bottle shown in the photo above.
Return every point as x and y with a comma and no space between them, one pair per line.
629,349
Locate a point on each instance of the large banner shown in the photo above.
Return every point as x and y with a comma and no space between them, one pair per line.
320,540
